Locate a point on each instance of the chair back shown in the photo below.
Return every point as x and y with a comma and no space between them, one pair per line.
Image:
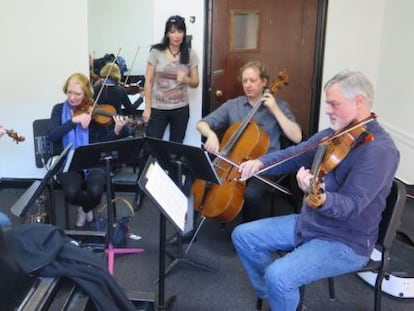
43,146
391,216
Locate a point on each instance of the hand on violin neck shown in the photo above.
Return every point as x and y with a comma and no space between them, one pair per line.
315,201
313,187
120,122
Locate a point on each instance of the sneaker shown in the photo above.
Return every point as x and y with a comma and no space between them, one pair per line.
80,222
89,216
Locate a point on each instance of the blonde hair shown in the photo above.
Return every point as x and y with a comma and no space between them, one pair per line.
83,81
113,70
264,75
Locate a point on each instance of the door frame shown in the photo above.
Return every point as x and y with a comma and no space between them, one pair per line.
317,63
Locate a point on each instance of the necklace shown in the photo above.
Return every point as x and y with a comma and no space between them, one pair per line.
172,53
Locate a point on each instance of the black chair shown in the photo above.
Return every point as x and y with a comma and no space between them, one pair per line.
44,149
391,219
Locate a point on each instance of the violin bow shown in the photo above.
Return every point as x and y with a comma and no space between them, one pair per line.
323,141
132,65
265,180
106,79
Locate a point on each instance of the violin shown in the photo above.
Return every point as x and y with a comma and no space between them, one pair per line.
327,158
16,137
101,114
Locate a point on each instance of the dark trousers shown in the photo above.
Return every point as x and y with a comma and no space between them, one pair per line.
89,198
176,118
254,193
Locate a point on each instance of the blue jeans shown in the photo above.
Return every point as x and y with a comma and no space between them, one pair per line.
4,220
279,280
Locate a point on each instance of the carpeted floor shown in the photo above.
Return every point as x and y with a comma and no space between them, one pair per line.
197,289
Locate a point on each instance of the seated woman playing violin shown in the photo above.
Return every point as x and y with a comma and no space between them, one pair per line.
345,190
72,122
113,93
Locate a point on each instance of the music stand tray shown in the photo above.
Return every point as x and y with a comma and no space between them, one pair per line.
94,155
104,155
195,161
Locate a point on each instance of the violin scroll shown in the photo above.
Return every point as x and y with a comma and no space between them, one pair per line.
16,137
84,107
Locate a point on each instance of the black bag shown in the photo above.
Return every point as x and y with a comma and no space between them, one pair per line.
120,228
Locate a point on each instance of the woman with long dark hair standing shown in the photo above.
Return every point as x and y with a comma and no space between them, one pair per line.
172,67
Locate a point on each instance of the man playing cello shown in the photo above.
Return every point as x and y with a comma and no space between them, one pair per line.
273,116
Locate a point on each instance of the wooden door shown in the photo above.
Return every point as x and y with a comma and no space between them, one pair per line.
283,34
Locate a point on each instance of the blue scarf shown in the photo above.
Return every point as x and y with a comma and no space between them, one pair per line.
77,136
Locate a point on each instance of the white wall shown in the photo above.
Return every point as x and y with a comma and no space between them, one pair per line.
125,25
373,36
42,42
395,87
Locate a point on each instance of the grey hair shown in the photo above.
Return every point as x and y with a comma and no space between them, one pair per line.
353,83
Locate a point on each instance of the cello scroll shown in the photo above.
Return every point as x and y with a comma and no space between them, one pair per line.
283,79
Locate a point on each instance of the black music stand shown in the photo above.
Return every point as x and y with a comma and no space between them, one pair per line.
104,155
178,160
21,206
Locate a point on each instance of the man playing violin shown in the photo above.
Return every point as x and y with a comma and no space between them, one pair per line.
274,117
81,129
337,234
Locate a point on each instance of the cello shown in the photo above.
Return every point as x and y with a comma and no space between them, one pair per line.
242,140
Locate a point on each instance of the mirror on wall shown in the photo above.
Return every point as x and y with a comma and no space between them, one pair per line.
125,26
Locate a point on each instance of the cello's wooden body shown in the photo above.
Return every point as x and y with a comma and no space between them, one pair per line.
223,202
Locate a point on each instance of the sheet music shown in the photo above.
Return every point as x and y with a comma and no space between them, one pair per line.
167,194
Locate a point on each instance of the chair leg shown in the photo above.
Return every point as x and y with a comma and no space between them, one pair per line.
302,298
331,285
259,303
378,291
